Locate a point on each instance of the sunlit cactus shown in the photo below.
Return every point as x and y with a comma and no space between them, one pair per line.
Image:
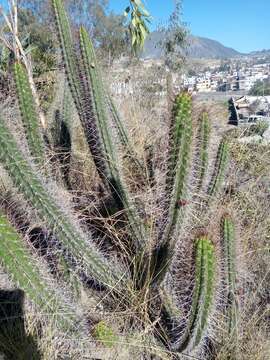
142,272
202,297
219,169
17,260
203,150
29,115
34,192
229,249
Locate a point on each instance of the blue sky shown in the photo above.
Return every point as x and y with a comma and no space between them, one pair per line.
241,24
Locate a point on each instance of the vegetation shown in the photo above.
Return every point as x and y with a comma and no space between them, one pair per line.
260,88
175,39
152,248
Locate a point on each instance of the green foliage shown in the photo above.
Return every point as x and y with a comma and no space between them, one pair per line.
260,88
257,129
110,33
105,334
138,28
37,40
29,114
174,40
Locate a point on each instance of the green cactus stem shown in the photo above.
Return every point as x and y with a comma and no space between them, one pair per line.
29,114
68,51
219,169
17,260
229,247
180,146
180,150
90,101
95,106
112,174
203,138
34,192
203,296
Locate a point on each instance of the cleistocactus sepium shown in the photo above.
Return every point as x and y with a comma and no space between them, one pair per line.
138,269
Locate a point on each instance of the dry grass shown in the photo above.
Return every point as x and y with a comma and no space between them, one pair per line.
247,196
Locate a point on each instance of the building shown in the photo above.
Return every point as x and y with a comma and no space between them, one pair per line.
249,109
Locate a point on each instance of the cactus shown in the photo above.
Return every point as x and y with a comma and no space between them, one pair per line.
90,102
203,295
95,102
61,138
179,154
105,334
228,235
219,169
68,51
29,114
30,186
180,149
123,136
17,260
203,137
151,253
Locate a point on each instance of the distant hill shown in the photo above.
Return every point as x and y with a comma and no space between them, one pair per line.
264,52
200,47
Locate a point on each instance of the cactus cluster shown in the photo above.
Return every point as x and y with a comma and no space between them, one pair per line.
151,253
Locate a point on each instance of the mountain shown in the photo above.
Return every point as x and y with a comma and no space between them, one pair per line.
264,52
206,48
200,47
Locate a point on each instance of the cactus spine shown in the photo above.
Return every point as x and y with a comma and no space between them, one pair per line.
228,231
94,95
180,149
68,51
29,114
29,185
17,260
203,295
204,134
220,168
89,99
123,136
180,139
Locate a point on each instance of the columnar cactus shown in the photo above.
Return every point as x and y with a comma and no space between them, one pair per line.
203,135
92,106
178,162
229,246
17,260
219,170
29,114
203,295
30,186
155,251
